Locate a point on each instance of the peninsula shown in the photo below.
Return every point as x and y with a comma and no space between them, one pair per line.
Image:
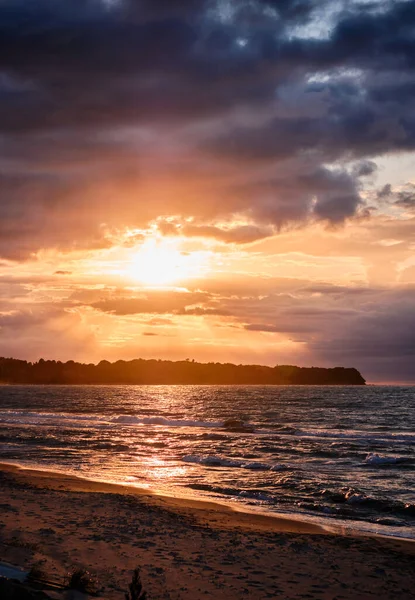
163,372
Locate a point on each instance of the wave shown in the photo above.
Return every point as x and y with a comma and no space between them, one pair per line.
113,447
235,493
132,420
356,436
358,500
22,417
81,420
382,461
258,496
316,507
218,461
348,512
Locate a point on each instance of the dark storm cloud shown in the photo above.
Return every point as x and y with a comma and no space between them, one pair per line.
330,194
385,191
297,10
406,198
74,74
403,198
54,47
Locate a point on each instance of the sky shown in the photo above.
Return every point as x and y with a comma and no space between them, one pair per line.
219,180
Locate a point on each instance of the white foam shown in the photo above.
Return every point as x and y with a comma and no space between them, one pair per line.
255,496
132,420
218,461
352,497
22,417
211,461
74,419
279,467
375,459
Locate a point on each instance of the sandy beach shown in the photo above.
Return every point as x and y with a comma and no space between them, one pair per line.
187,549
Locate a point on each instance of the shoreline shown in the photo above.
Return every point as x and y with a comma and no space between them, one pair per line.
234,514
186,549
252,520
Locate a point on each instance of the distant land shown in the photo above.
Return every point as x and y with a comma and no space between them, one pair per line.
164,372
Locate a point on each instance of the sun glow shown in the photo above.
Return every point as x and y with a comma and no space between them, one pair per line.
160,262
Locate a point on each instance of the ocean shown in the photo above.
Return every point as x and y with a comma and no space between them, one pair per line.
338,456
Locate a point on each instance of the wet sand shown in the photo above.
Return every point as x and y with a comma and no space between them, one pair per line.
188,549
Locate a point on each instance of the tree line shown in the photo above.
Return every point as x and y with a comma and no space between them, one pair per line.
159,372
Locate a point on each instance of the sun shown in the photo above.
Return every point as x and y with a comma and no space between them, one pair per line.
160,262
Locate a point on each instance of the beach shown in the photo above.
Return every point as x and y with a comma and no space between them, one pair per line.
187,549
324,454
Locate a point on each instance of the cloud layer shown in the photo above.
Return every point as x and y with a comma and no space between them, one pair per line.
210,111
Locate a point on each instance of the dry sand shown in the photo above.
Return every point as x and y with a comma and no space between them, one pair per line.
188,550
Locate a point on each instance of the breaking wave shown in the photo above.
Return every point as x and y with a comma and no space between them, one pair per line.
218,461
382,461
132,420
80,420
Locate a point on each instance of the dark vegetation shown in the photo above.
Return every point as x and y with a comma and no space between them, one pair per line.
149,372
135,588
37,573
82,580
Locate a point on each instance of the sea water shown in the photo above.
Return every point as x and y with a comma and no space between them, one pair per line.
342,456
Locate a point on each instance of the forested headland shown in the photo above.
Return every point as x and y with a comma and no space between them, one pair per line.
164,372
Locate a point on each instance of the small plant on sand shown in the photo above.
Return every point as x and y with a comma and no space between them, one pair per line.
37,573
81,580
135,588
